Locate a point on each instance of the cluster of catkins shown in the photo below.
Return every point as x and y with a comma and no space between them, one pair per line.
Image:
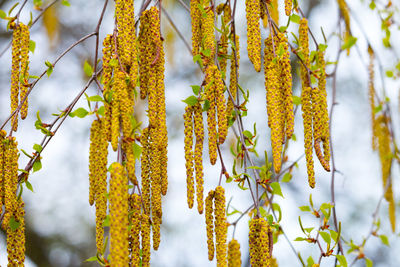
13,221
19,71
381,141
128,61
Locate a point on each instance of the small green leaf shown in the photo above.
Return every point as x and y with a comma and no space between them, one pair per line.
80,113
3,14
372,6
295,18
286,177
29,186
322,47
48,64
37,148
137,150
389,73
26,154
49,71
87,69
248,134
276,189
368,262
37,165
106,222
94,258
342,260
195,89
65,3
326,236
310,261
351,40
206,105
296,100
334,235
32,46
282,28
308,229
276,207
37,3
384,240
13,224
300,239
305,208
95,98
191,100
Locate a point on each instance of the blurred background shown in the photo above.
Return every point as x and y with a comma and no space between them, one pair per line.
60,224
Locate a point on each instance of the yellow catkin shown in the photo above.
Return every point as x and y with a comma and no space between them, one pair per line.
145,233
156,210
145,55
286,85
288,7
320,115
371,96
125,103
16,237
134,234
221,229
273,8
2,165
130,161
119,199
254,242
253,33
115,109
211,113
223,45
274,263
392,212
275,105
344,10
306,101
15,72
122,37
25,37
209,214
145,169
234,256
188,124
93,158
259,242
195,16
198,155
233,79
221,107
130,35
106,80
208,33
101,184
10,179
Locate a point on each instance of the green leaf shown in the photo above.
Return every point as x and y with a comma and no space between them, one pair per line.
49,71
351,40
296,100
305,208
342,260
37,165
32,46
248,134
3,14
106,222
295,18
80,113
276,207
372,7
322,47
137,150
26,154
48,64
37,2
94,258
95,98
195,89
65,3
87,69
310,261
37,148
29,186
309,229
368,262
326,236
300,239
191,100
384,240
13,224
206,105
276,189
101,111
389,73
282,28
286,177
334,235
263,212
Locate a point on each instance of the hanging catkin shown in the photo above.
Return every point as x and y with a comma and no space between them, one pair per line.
195,16
211,113
106,80
2,164
209,214
198,155
371,96
10,179
134,232
221,229
288,7
145,233
208,33
223,44
253,33
145,169
259,242
119,199
25,37
233,79
15,72
188,124
234,256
